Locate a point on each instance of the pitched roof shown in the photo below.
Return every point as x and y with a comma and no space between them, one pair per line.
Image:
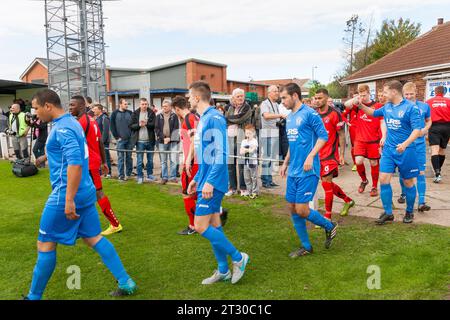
283,82
44,62
430,51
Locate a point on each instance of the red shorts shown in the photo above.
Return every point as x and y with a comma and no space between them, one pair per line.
185,180
95,175
328,167
368,150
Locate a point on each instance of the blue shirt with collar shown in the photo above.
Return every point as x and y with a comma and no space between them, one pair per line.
401,120
211,148
303,128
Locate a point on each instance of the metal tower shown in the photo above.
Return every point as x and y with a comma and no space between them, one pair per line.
76,48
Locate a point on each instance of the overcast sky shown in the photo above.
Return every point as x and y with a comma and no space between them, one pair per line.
258,39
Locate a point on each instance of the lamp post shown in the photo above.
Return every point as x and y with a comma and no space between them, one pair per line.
315,67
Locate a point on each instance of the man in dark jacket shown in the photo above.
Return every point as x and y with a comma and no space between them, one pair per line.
167,132
238,115
104,123
120,128
143,127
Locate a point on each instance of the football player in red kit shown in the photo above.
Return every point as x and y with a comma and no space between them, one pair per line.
367,139
349,116
332,153
97,159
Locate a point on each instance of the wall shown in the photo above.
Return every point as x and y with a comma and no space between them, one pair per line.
215,75
172,77
38,71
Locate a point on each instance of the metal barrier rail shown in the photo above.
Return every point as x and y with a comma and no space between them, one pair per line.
181,152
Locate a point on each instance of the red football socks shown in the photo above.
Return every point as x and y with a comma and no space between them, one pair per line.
189,206
338,192
105,205
375,174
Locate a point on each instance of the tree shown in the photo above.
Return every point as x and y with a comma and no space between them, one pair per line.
392,36
316,85
336,89
354,32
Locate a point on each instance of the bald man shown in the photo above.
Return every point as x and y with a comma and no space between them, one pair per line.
18,125
269,134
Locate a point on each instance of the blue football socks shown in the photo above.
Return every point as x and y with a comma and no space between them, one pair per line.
111,260
45,265
421,188
386,198
221,256
302,232
220,241
410,198
316,218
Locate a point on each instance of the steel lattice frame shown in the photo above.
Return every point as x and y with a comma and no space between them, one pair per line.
75,48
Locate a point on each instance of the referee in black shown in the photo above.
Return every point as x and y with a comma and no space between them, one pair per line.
439,133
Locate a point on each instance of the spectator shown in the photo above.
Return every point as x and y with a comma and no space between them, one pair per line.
19,129
249,149
143,126
120,128
40,135
271,119
89,107
104,123
168,137
238,115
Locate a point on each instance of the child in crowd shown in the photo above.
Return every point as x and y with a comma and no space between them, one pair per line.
249,149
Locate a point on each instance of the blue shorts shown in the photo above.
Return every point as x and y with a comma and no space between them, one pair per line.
55,227
209,206
301,189
421,155
406,162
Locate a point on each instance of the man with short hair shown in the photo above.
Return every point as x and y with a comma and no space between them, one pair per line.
307,136
210,184
439,134
332,153
120,129
19,127
167,130
403,125
269,134
104,123
97,160
70,211
143,127
409,92
367,139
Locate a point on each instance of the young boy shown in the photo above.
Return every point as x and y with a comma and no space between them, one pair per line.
249,149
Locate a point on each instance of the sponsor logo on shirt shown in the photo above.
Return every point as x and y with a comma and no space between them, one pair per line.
308,193
203,206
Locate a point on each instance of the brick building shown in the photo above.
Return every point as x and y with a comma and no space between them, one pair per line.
424,61
302,83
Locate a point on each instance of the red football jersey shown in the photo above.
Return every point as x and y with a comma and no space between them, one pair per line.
187,131
350,116
440,108
93,136
369,128
333,122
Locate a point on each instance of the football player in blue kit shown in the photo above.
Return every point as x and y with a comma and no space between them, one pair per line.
70,211
307,135
409,92
404,126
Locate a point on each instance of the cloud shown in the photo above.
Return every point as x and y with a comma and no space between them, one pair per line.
241,16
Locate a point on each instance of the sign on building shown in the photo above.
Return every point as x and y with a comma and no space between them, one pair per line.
432,84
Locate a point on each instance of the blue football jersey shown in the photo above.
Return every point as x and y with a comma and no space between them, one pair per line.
66,145
211,147
400,120
303,128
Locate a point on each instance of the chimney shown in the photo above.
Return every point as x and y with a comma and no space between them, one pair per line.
440,21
